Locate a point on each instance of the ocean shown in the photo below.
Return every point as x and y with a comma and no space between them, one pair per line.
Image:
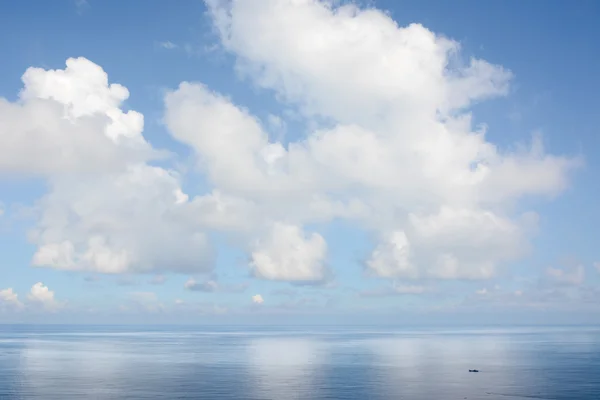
127,362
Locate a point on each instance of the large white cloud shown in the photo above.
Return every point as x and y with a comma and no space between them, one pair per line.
107,209
131,221
69,120
398,154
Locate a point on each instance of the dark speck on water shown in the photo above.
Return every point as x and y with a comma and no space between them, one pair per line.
125,362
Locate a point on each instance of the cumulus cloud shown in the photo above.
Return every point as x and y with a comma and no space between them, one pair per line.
119,223
286,253
257,299
399,153
9,300
390,146
69,120
107,209
40,295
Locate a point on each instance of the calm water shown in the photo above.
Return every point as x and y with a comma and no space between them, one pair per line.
316,363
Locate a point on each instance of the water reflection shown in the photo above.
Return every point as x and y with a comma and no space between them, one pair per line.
284,368
425,367
279,365
52,367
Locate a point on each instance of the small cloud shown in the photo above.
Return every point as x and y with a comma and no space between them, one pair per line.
482,292
167,45
158,280
214,286
208,286
179,302
10,300
257,299
44,297
597,266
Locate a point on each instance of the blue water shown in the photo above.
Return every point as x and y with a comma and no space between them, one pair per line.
67,362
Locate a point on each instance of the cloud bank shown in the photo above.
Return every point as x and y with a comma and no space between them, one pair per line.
389,146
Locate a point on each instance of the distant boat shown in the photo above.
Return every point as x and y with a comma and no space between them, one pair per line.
473,370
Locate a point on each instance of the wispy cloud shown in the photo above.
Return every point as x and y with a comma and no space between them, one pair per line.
214,286
167,45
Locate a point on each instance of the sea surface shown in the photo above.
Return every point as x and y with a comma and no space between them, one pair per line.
125,362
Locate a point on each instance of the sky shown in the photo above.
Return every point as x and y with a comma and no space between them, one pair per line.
299,160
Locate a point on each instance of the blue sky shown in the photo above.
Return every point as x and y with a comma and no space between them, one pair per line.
330,160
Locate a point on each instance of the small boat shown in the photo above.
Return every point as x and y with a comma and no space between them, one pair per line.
473,370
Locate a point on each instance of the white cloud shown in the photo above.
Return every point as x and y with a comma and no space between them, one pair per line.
9,300
346,63
69,120
392,258
107,210
119,223
287,253
42,296
397,156
400,156
597,266
257,299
